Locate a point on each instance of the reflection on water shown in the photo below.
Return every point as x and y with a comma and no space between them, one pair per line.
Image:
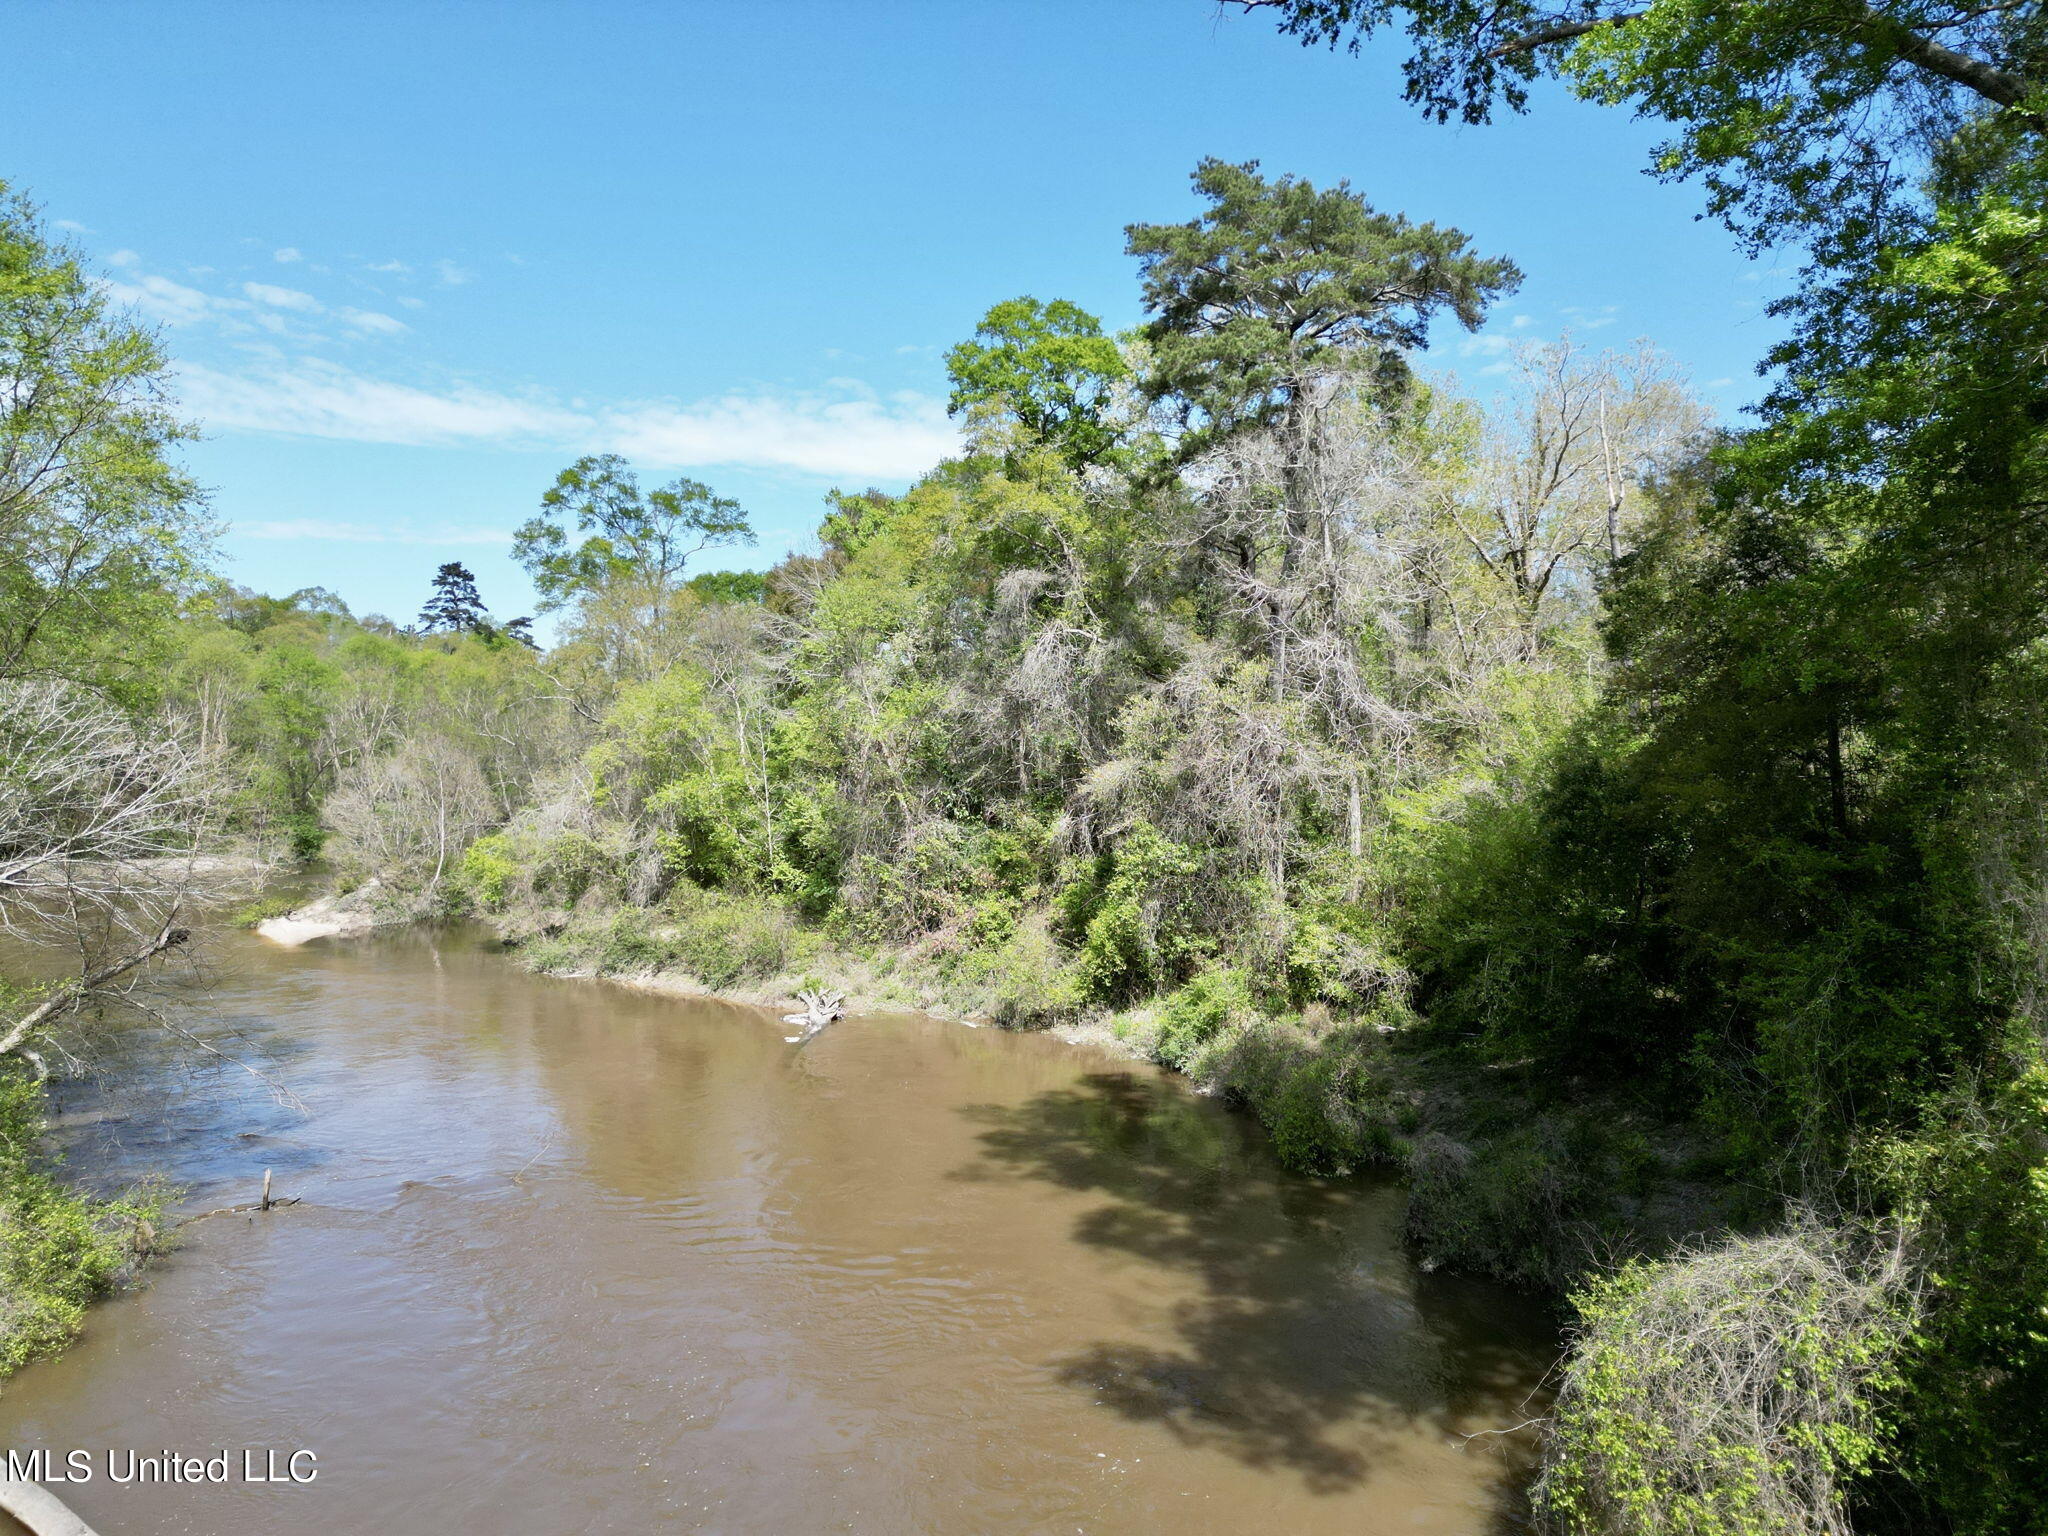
573,1258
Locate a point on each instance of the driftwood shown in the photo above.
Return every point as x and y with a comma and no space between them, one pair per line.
820,1009
264,1204
39,1510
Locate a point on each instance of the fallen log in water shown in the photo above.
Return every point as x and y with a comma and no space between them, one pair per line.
820,1009
40,1510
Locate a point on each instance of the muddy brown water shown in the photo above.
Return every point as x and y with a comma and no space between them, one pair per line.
574,1258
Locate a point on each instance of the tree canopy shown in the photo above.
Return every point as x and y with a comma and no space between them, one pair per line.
454,604
1276,282
99,530
644,536
1048,365
1803,117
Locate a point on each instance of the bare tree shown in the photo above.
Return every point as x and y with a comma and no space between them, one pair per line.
102,823
1555,498
406,816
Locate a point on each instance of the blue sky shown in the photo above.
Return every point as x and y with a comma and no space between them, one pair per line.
412,259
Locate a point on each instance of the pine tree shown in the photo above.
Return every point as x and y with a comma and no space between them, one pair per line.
454,604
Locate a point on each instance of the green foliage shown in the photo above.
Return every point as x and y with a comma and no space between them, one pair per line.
1134,911
1976,1460
724,938
1023,980
1793,114
59,1249
636,535
1275,282
454,604
487,871
1731,1391
98,530
300,695
1048,365
729,586
1197,1013
250,913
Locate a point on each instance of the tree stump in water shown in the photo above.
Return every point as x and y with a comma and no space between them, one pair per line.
820,1009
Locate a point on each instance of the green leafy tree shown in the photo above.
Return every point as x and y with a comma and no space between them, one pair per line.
1801,116
1276,284
648,537
1048,365
730,586
98,530
1273,301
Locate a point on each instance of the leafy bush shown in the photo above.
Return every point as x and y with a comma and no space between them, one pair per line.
487,871
724,938
1024,981
569,864
1135,911
249,914
59,1249
1196,1014
625,945
1731,1390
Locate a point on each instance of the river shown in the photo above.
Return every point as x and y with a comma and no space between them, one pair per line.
575,1258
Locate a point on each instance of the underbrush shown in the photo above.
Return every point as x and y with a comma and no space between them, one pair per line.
719,939
1733,1389
60,1249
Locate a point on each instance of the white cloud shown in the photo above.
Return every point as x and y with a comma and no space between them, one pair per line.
1483,346
1719,383
123,258
289,253
451,274
283,298
412,303
314,528
1522,322
314,399
387,266
1583,319
371,320
855,435
73,226
894,439
158,298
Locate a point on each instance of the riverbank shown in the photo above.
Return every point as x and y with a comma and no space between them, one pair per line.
1508,1175
64,1247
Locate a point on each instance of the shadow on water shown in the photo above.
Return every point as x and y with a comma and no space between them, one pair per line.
1310,1339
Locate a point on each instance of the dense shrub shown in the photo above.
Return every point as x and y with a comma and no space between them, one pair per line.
59,1249
1024,980
1200,1011
1731,1390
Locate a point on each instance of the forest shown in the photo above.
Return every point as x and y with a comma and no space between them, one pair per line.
1630,826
